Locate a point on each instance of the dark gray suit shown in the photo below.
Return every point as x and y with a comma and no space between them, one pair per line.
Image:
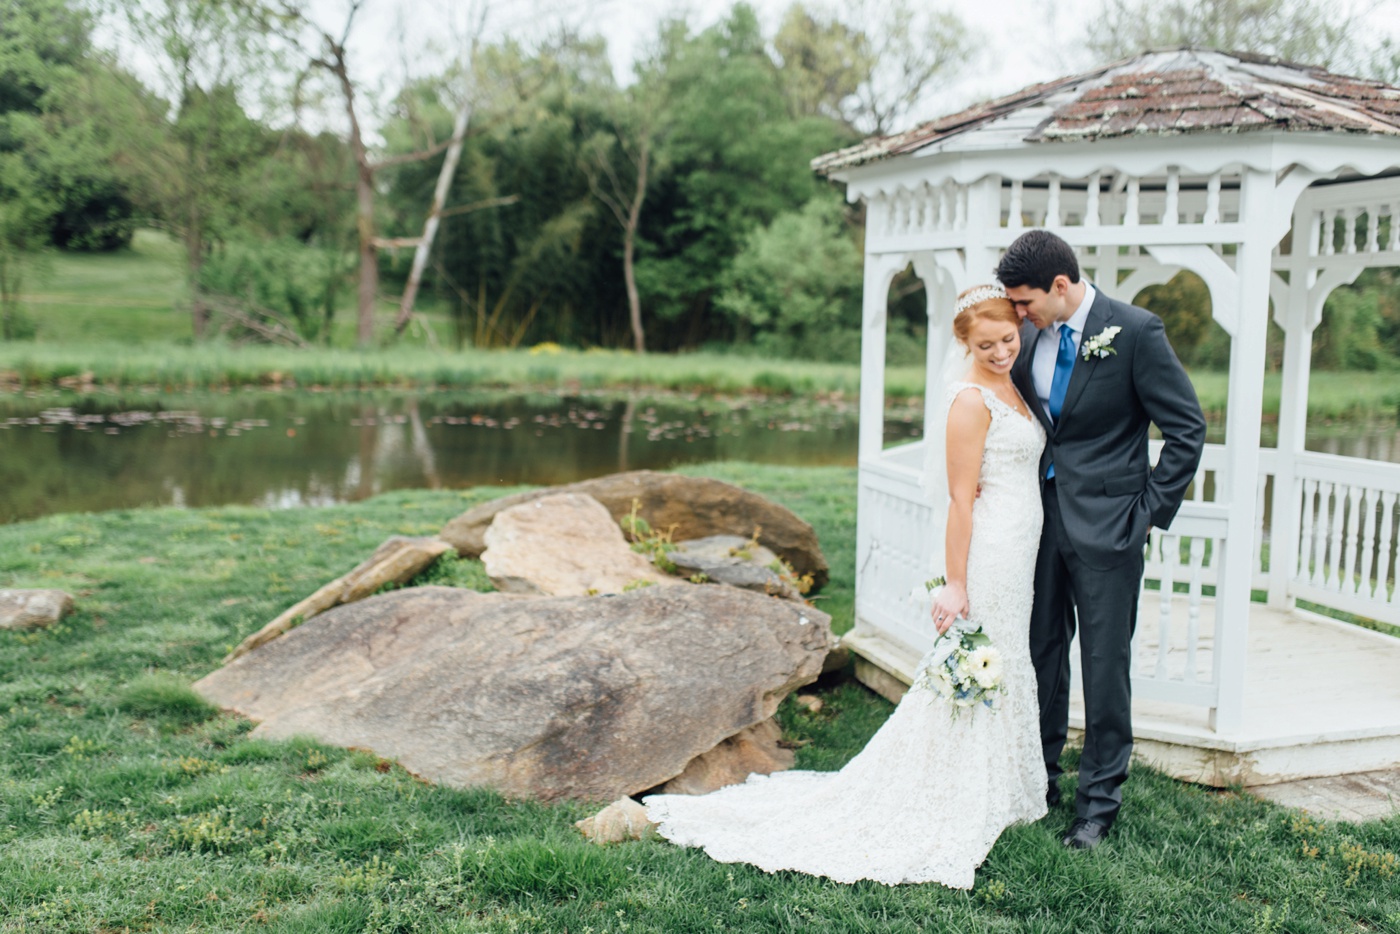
1098,511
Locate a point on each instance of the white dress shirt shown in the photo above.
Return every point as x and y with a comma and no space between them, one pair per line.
1047,348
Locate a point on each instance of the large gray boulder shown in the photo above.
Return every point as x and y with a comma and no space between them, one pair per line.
33,609
562,545
540,697
689,507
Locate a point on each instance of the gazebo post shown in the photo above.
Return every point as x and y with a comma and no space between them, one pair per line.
1292,317
1241,475
874,312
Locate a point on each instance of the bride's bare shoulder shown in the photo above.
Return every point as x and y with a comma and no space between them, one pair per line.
968,407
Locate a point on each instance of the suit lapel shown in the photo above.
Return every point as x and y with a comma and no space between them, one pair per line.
1021,373
1099,315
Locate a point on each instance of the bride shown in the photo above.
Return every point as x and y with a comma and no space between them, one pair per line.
930,793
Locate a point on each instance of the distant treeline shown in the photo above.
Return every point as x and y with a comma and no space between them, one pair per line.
676,209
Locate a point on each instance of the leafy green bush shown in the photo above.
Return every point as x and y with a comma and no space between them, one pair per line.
281,279
796,285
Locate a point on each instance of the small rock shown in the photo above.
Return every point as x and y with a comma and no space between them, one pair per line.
723,551
732,560
811,702
564,545
33,609
624,819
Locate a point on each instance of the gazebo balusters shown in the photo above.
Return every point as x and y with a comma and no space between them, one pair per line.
1389,563
1172,206
1351,556
1130,207
1367,550
1014,220
1212,213
1052,203
1091,201
1195,592
1257,565
1305,543
1353,217
1373,228
1336,517
1170,545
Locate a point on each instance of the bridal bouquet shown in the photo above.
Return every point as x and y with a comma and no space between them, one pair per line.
963,667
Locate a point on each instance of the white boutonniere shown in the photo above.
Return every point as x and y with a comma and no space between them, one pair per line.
1101,344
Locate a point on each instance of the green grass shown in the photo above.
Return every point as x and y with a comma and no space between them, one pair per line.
174,367
126,804
121,317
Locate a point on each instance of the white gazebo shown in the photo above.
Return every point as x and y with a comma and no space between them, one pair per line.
1275,183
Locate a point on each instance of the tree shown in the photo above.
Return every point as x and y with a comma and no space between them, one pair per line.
542,266
618,165
1308,31
797,283
24,215
190,159
736,158
46,66
869,65
326,51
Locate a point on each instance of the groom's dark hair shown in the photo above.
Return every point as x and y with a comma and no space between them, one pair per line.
1034,259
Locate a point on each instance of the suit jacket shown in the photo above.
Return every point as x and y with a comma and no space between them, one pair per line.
1109,494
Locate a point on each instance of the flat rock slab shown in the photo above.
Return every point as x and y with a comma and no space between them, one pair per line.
693,507
1363,796
33,609
565,545
540,697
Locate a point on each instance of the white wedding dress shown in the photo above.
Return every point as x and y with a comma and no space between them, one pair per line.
929,794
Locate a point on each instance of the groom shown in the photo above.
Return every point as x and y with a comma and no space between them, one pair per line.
1095,371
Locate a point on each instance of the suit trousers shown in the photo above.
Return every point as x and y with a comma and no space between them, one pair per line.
1104,603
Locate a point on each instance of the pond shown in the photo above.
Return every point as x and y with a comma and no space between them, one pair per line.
76,453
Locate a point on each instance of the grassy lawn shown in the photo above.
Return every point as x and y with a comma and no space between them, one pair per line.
129,805
120,318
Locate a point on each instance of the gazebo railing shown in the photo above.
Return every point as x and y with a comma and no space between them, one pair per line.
1348,535
1342,555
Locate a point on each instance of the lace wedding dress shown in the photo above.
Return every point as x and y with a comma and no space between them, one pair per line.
929,794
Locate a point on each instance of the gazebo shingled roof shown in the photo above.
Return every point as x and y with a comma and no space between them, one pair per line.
1161,93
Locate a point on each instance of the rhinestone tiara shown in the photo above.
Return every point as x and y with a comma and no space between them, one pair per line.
979,294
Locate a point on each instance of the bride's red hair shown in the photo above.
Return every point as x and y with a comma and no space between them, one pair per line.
993,309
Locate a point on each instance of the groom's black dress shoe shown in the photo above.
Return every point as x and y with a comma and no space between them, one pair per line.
1052,795
1084,834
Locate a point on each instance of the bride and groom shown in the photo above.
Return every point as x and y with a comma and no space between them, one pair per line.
1051,499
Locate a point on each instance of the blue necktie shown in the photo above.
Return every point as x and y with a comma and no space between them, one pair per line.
1059,383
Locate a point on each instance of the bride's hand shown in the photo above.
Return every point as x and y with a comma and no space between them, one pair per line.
949,604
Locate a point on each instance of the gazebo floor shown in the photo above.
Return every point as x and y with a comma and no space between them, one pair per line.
1322,698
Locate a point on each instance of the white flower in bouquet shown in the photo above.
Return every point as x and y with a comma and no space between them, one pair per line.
986,665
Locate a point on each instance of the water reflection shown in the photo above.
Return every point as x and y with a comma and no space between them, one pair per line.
280,450
64,453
